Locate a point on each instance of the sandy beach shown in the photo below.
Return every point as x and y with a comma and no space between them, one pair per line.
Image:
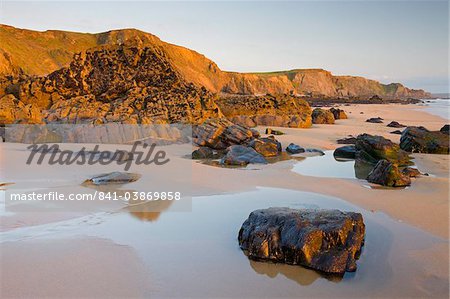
408,229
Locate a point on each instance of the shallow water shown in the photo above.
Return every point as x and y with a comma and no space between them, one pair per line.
326,166
196,254
439,107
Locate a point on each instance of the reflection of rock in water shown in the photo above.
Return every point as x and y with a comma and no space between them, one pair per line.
148,211
141,209
299,274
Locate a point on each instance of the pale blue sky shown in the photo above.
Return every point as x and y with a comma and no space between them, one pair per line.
402,41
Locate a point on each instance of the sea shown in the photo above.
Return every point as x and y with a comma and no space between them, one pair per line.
439,107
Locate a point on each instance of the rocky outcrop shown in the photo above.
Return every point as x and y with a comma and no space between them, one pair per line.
19,47
13,110
221,133
240,155
325,240
420,140
445,129
321,116
386,173
268,110
126,84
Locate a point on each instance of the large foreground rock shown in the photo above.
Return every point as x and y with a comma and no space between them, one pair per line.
372,148
420,140
325,240
387,174
321,116
242,155
221,133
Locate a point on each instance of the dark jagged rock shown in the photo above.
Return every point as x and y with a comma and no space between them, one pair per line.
348,140
270,131
242,155
420,140
394,124
374,148
295,149
445,129
321,116
325,240
114,178
345,152
387,174
375,120
338,113
398,132
221,133
268,147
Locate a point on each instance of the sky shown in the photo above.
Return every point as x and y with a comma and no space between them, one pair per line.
389,41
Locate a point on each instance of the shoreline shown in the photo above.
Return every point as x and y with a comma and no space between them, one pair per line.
419,211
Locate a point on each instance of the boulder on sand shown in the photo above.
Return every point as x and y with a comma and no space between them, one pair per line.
268,147
372,148
294,149
324,240
242,155
204,152
321,116
345,152
394,124
270,131
420,140
412,172
386,173
338,113
375,120
221,133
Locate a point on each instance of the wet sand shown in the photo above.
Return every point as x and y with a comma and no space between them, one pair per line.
195,254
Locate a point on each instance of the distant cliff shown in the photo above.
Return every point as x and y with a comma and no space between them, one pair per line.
40,53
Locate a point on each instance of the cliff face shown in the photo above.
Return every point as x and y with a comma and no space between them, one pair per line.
40,53
116,83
